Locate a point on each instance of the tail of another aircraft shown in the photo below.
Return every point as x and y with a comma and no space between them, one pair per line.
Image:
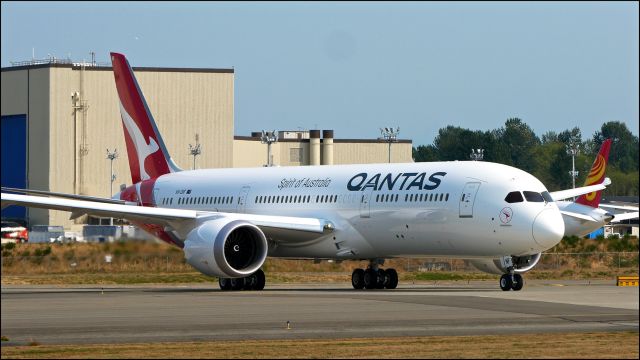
148,156
596,176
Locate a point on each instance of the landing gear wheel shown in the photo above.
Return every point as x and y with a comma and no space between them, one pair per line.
381,279
237,284
518,282
392,279
260,280
357,279
225,284
505,282
249,282
370,279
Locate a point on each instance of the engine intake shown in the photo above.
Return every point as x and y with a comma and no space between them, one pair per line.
226,248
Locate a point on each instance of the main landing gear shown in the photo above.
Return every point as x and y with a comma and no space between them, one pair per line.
254,281
513,282
374,278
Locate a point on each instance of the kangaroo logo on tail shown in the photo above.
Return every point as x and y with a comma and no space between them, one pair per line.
148,156
596,176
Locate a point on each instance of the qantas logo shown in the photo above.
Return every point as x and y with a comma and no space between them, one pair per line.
142,148
401,181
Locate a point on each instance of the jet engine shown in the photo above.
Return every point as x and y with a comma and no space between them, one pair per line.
226,248
521,264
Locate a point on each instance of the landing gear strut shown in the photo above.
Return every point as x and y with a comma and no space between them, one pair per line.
513,282
255,281
374,277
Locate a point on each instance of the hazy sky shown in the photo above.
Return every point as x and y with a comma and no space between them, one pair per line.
356,67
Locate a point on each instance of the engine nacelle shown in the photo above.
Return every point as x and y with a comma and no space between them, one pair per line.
226,248
521,264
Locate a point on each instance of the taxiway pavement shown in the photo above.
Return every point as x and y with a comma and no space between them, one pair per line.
91,314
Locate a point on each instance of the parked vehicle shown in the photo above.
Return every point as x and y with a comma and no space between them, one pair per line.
14,232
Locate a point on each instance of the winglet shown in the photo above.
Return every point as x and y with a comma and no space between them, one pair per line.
596,176
148,155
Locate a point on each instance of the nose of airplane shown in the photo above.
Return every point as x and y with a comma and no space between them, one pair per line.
548,228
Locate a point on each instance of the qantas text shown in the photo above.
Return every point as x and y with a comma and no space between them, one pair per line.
401,181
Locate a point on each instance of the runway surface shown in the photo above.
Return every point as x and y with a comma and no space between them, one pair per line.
52,315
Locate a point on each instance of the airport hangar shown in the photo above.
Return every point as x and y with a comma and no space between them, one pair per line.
59,118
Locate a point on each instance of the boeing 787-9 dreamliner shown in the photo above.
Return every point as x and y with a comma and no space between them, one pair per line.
228,221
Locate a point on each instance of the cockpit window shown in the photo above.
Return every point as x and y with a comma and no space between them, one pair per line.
547,197
533,196
514,197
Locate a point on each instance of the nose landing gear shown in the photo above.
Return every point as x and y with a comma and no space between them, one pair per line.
513,282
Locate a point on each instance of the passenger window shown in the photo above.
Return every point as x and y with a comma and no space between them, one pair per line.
446,198
514,197
533,196
547,197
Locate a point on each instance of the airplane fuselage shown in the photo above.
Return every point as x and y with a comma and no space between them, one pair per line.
453,209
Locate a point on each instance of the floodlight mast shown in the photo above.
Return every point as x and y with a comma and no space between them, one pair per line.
111,156
390,135
195,150
573,149
477,154
269,137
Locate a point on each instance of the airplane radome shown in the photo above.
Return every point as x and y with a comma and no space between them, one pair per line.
228,221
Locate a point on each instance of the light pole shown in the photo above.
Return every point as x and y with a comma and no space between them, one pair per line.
477,154
573,149
389,135
269,137
195,151
111,156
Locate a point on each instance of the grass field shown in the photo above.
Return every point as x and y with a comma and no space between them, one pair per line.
148,263
569,345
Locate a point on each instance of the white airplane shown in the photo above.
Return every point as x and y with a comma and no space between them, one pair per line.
228,221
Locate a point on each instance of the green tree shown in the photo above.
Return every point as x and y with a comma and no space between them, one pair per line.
624,147
425,153
519,140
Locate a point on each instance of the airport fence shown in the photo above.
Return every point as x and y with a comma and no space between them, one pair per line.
559,263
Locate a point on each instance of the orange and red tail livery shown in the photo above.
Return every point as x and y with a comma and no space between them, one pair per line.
596,176
148,156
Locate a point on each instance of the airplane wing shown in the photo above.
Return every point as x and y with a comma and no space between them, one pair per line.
620,207
625,216
280,228
565,194
581,217
67,196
